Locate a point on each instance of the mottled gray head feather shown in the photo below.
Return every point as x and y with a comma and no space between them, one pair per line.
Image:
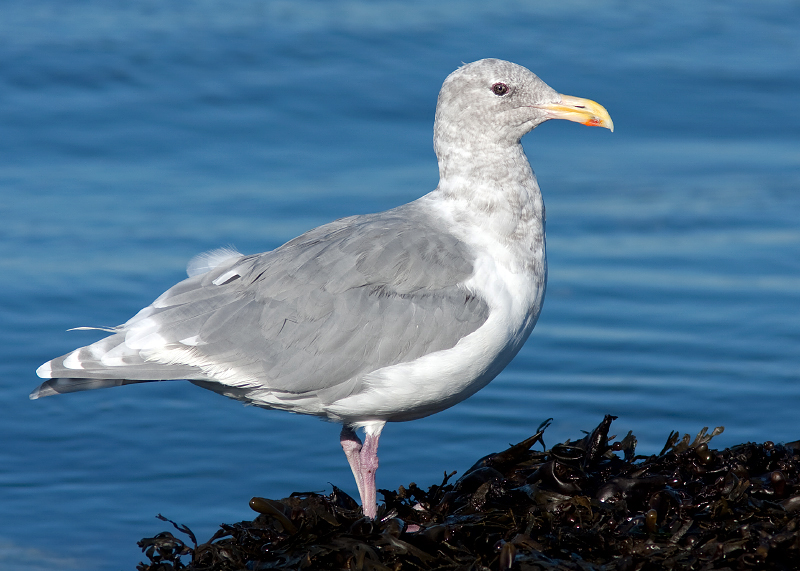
472,114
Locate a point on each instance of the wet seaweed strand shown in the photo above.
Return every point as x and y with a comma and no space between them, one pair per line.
584,505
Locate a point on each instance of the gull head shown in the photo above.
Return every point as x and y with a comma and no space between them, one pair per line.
493,102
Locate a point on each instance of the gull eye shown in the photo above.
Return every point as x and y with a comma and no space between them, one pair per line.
500,89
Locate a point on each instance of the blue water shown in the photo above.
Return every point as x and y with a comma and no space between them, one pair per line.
135,135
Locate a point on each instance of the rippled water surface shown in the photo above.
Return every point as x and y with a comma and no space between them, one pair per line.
135,135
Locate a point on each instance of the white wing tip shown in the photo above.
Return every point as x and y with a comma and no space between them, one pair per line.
73,360
44,372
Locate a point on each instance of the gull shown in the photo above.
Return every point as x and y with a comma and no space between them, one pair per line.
374,318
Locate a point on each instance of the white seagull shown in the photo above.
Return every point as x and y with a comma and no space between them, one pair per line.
369,319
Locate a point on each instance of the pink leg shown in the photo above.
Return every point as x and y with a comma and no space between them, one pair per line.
351,444
363,459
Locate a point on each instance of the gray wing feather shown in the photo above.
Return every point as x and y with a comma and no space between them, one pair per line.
314,315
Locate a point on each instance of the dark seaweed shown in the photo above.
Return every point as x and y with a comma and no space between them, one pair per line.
585,505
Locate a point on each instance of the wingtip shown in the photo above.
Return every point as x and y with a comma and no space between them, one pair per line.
45,371
51,387
60,386
56,387
36,393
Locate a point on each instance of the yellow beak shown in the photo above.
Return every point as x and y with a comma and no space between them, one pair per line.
580,110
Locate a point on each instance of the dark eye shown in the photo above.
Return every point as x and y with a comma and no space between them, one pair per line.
500,89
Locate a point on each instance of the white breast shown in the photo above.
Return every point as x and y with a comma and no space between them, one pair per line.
439,380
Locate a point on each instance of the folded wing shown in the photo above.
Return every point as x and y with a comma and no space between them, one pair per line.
300,325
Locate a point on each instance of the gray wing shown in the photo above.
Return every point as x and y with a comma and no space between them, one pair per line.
310,317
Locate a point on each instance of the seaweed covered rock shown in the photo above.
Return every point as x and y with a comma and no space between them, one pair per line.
584,505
